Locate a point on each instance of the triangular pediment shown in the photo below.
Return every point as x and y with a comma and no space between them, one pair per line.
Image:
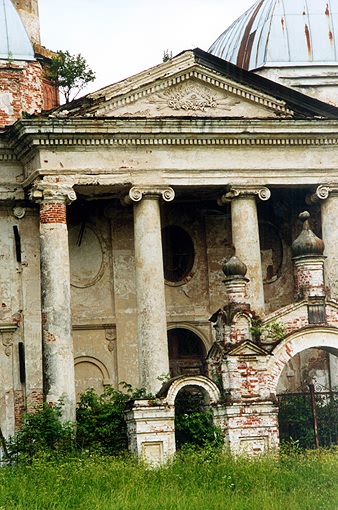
193,94
247,348
194,84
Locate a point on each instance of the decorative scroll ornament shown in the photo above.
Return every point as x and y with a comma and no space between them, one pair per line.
137,193
262,192
52,192
324,190
322,193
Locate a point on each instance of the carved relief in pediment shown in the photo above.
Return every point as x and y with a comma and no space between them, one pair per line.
188,97
191,96
193,99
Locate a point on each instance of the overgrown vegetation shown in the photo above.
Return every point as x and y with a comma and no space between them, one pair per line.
101,428
296,420
70,73
194,422
196,480
273,332
100,419
41,431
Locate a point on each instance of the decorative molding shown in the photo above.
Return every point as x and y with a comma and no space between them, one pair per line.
106,379
93,326
324,190
60,192
322,193
19,212
111,339
226,85
7,156
136,193
95,265
6,334
10,192
238,191
190,97
194,138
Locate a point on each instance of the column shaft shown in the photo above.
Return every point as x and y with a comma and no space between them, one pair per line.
150,293
245,238
59,380
329,212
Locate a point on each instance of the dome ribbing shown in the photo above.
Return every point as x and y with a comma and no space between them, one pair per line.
279,33
14,41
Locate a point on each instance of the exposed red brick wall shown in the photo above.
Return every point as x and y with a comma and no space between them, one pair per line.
20,91
53,212
34,399
19,407
51,96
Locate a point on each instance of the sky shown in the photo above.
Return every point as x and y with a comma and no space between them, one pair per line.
119,38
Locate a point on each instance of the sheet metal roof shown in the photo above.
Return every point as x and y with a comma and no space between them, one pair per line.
14,41
276,33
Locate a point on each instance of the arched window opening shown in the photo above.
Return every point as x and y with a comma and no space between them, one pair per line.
186,353
178,253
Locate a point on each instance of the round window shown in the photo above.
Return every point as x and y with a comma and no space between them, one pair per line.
178,253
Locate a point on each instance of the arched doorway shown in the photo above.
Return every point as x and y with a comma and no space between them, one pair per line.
306,385
194,398
187,353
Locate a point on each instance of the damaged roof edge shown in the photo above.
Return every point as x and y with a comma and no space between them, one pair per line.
303,105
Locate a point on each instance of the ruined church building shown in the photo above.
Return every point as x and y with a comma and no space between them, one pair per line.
182,223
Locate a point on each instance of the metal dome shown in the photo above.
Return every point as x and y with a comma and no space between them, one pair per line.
14,41
280,33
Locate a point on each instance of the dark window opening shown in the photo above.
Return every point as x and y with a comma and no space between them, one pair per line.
186,353
178,253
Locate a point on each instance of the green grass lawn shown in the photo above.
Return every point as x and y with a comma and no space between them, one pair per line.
194,481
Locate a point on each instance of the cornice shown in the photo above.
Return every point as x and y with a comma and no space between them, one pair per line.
30,135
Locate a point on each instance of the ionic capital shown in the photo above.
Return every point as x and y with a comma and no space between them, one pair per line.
323,192
262,192
136,193
47,192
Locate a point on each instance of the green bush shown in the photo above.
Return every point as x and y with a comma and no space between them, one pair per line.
194,422
100,419
42,431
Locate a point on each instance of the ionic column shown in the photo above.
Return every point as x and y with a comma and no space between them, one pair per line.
245,237
328,195
150,291
59,381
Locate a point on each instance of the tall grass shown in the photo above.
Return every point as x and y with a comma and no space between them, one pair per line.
194,481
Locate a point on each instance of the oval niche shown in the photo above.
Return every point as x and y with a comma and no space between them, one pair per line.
85,256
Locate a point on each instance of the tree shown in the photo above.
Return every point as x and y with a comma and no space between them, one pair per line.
70,73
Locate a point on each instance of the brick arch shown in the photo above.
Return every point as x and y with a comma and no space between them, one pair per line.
320,338
199,381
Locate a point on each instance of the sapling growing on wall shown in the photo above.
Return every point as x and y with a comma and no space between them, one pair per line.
70,73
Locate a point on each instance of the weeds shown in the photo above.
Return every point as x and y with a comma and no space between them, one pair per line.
205,479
